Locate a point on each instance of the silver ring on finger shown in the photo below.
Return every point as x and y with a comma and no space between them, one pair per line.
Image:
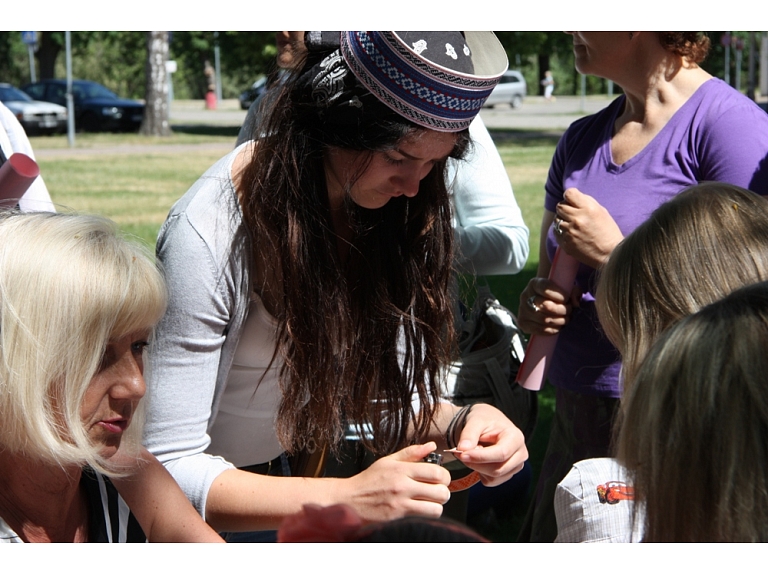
532,304
558,230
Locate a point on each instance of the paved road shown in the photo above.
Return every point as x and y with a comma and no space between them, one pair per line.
128,149
538,114
535,113
193,112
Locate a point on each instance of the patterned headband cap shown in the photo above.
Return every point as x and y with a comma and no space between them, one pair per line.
434,83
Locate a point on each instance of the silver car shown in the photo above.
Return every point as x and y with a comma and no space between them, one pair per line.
510,90
35,116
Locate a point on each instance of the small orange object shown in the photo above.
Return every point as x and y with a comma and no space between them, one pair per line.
614,491
464,482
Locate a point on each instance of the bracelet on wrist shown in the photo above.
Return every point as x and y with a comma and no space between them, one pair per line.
457,423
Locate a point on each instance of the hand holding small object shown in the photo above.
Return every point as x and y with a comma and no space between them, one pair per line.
491,445
585,229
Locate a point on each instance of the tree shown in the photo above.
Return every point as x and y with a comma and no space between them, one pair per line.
244,56
155,122
51,44
536,52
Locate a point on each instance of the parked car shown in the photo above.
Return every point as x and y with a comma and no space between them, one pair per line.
511,90
249,96
97,109
35,117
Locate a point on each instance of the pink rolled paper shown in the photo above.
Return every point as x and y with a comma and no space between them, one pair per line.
16,175
538,353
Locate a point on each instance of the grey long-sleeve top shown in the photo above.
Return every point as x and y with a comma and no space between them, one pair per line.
203,250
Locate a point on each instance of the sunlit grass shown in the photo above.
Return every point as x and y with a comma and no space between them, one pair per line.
135,190
86,140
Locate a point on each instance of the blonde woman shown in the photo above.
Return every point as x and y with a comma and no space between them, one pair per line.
77,306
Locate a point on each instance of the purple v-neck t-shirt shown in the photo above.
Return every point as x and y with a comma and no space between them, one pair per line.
717,135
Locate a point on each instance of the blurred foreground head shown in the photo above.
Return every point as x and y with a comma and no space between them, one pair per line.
341,524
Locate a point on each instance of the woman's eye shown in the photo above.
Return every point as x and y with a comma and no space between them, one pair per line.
393,161
138,346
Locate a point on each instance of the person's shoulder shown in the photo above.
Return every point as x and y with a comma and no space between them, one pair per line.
717,89
14,138
209,209
585,135
7,117
4,113
109,522
213,188
716,100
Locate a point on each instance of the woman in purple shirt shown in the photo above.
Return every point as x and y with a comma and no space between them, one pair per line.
674,126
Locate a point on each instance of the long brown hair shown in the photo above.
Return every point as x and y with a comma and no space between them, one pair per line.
359,338
699,246
693,438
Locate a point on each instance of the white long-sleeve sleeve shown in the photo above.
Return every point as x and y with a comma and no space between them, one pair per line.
491,234
14,139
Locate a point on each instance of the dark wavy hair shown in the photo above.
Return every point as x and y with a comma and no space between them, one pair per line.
360,336
693,46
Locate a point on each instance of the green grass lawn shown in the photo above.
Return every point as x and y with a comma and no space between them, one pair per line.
134,190
137,190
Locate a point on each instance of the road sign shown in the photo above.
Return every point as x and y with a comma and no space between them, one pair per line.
29,37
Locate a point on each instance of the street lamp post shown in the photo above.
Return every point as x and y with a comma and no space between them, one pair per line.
70,103
217,64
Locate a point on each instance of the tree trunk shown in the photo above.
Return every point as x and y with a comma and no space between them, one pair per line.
155,121
543,67
49,49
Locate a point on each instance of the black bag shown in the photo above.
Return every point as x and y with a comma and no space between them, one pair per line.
491,350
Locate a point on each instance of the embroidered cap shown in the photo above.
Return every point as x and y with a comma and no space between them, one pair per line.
438,80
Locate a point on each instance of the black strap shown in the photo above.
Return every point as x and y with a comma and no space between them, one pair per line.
274,467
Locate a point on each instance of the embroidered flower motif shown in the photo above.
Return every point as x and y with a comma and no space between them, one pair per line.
466,50
449,51
419,46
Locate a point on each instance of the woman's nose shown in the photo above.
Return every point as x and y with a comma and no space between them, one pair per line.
411,187
408,184
129,379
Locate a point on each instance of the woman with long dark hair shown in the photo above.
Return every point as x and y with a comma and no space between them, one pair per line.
308,274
